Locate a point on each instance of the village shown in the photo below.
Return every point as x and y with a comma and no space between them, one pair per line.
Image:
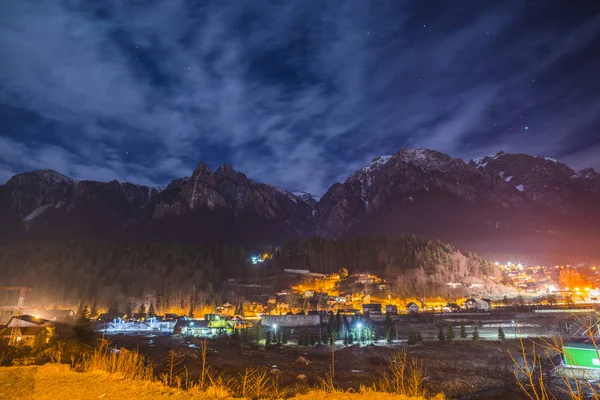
309,300
290,329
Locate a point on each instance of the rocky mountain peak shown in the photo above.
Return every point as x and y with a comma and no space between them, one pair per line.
203,174
588,173
424,158
545,180
413,191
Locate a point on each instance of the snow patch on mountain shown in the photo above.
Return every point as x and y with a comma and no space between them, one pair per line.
376,163
36,213
306,197
285,192
158,189
587,173
50,175
425,159
554,160
520,188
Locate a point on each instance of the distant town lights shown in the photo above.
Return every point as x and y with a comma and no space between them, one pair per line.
256,259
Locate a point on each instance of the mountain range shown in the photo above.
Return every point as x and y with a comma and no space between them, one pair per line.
499,203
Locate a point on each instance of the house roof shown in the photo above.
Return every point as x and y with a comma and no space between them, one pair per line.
195,323
33,319
372,305
412,303
27,320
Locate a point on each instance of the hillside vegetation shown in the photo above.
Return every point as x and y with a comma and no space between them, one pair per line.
179,275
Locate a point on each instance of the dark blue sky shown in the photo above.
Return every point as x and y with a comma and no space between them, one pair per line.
295,93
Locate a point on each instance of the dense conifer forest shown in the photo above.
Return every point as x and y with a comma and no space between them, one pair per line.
66,272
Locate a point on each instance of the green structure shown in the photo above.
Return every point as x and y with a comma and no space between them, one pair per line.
581,355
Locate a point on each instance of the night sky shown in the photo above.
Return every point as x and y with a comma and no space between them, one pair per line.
295,93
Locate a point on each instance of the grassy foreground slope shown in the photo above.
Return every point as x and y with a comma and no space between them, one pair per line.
57,382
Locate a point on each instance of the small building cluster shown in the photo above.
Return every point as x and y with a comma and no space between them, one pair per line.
32,332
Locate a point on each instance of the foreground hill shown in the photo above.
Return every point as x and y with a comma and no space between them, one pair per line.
56,382
504,202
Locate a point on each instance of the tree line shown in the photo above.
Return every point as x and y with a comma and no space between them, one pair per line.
188,276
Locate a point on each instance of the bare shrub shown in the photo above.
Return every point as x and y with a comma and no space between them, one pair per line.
572,382
406,376
122,362
55,353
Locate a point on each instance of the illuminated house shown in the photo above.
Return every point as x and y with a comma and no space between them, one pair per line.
34,332
412,308
204,328
372,308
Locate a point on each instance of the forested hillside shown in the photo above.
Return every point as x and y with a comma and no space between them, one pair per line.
413,266
66,272
177,275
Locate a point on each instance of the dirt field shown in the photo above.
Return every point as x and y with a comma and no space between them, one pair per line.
459,368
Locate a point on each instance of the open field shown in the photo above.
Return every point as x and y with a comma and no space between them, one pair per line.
57,382
456,368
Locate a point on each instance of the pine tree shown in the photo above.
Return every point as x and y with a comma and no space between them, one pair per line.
476,333
158,304
388,335
501,335
142,311
151,311
129,310
83,325
284,339
113,311
94,310
463,332
240,310
79,308
441,336
412,338
450,332
268,339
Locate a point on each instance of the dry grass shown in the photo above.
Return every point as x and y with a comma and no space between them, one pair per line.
529,368
59,382
110,373
406,376
120,362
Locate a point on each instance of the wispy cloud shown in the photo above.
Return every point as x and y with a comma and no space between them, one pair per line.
298,94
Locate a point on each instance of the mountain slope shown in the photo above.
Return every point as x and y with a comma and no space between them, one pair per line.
505,202
430,193
547,181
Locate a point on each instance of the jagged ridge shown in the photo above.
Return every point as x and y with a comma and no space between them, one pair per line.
413,191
